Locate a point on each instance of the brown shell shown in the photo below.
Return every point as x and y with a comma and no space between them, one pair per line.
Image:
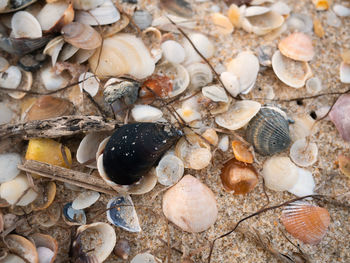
306,222
42,240
22,247
81,36
49,107
47,193
238,177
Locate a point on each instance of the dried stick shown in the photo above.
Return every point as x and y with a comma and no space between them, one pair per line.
57,127
68,176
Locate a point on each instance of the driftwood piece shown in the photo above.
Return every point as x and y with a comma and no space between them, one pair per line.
57,127
67,175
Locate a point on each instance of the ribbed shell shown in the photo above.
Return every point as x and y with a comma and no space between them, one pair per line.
306,222
268,131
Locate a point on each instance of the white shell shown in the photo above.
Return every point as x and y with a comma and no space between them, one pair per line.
262,24
173,51
280,173
53,48
200,74
25,25
164,24
88,148
51,13
246,67
11,78
144,258
45,254
83,55
341,10
169,170
86,4
313,85
6,114
281,8
305,184
188,113
104,14
344,72
8,166
303,153
51,80
215,93
190,205
292,73
146,113
26,84
301,127
12,258
256,10
230,82
332,19
199,158
239,114
90,83
203,45
4,64
300,22
223,143
67,52
85,200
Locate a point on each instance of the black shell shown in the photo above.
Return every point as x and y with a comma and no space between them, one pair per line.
268,131
134,148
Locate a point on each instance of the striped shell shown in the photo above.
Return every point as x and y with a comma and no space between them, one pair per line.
306,222
268,131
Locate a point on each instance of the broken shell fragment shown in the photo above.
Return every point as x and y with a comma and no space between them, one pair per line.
46,195
46,247
126,91
203,45
121,212
169,170
344,72
241,153
190,205
8,166
305,184
261,24
300,22
313,85
73,216
49,216
238,177
231,83
173,51
215,93
90,83
302,127
200,74
297,46
211,136
53,48
222,23
23,247
122,249
344,164
303,153
339,116
85,199
143,258
87,4
280,173
53,81
146,113
25,25
321,5
306,222
223,143
81,36
239,114
341,10
142,18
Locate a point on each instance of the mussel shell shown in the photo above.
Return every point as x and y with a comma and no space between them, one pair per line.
21,46
134,148
17,5
268,131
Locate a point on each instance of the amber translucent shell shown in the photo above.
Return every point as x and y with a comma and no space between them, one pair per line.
238,177
306,222
160,85
241,152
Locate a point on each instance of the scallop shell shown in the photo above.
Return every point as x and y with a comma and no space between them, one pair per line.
305,184
173,51
292,73
304,153
85,199
231,83
190,205
215,93
200,74
300,22
297,46
263,23
46,246
203,45
339,115
280,173
23,247
222,23
239,114
81,36
306,222
268,131
8,166
146,113
344,72
122,54
47,107
87,4
25,25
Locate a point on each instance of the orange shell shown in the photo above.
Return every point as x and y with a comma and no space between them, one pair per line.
306,222
297,46
241,153
160,85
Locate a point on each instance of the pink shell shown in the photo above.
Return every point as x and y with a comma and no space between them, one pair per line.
297,46
340,116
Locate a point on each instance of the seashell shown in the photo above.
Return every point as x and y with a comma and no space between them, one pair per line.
122,249
235,15
268,131
87,4
46,195
300,22
73,216
200,74
122,54
211,136
305,184
12,258
67,52
159,85
25,25
48,151
302,127
26,82
53,48
306,222
23,247
31,62
146,113
313,85
81,36
263,23
83,55
6,7
265,53
90,83
344,164
231,83
46,247
53,81
8,166
256,11
318,28
115,89
203,45
181,8
104,14
173,51
121,212
50,216
332,19
297,46
11,78
281,8
215,93
321,5
341,10
239,114
190,205
15,191
223,143
344,72
144,257
241,153
188,114
222,23
9,220
238,178
89,239
85,199
246,67
142,18
292,73
4,64
46,107
339,116
169,170
345,55
303,152
163,23
280,173
6,114
110,30
54,16
199,158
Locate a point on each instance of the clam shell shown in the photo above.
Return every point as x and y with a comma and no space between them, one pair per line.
26,84
21,46
297,46
164,24
280,173
339,116
303,153
239,114
215,93
199,158
83,55
263,23
322,4
11,78
332,19
344,72
85,199
47,107
4,64
341,10
241,153
90,83
256,10
12,258
203,45
292,73
6,114
51,80
223,143
222,23
169,170
301,127
46,246
300,22
190,205
313,85
87,4
81,36
235,15
344,164
53,48
143,258
268,131
146,113
231,83
281,8
200,74
211,136
110,30
305,184
73,216
142,19
8,166
94,234
182,8
121,212
23,247
173,51
46,195
25,25
67,52
306,222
